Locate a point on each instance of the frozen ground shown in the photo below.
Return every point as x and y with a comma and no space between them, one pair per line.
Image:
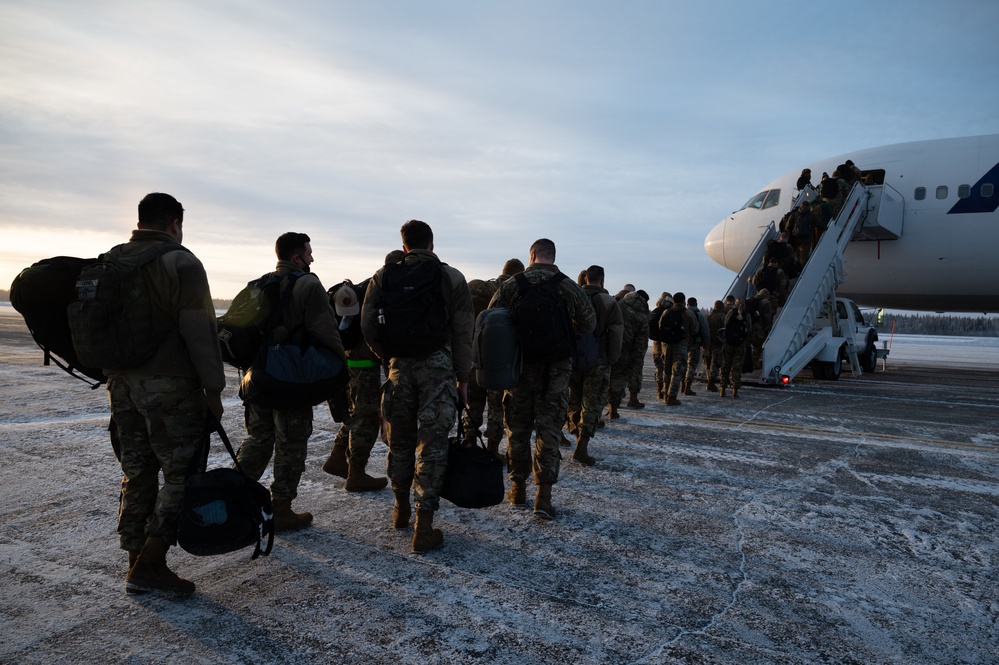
831,522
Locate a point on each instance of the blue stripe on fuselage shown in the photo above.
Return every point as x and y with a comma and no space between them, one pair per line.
976,202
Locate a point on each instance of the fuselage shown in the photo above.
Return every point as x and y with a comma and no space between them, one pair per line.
945,257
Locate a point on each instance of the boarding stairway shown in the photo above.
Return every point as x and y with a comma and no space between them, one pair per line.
793,341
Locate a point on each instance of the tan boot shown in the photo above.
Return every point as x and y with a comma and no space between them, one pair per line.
543,508
150,572
133,556
612,412
687,389
580,454
425,536
672,401
721,391
517,494
286,519
633,402
735,392
359,481
712,387
402,511
336,465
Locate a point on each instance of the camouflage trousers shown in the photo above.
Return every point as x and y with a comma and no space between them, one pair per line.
662,371
536,404
283,434
635,381
621,378
674,366
161,427
360,432
712,363
420,406
587,396
478,398
731,364
693,360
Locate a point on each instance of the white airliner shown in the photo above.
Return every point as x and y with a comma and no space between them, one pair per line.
938,250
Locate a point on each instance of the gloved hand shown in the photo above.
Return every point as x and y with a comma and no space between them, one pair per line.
214,401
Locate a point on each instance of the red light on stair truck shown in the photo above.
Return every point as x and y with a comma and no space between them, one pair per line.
785,380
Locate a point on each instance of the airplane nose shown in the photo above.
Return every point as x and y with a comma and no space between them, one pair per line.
714,243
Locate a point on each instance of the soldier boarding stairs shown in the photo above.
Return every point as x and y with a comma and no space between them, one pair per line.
803,332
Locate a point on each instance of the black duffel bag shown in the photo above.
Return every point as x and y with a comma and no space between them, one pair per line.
474,476
224,510
293,376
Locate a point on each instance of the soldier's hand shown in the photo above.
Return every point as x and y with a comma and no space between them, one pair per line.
214,401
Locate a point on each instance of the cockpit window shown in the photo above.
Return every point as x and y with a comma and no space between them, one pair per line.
763,200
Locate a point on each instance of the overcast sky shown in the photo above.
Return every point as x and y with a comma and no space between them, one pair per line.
624,131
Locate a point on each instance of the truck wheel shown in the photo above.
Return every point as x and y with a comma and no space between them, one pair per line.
869,357
833,369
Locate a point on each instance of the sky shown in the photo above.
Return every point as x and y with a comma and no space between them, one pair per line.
623,131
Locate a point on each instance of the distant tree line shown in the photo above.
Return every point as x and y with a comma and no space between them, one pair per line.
941,324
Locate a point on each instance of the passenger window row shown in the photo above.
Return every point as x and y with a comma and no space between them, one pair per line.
987,190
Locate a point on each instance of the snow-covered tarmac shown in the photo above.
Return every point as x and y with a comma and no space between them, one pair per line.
841,522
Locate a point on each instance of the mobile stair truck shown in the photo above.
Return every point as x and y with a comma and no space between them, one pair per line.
803,334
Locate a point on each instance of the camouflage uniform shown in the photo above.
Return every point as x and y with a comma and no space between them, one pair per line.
675,355
420,398
536,403
698,343
713,358
160,406
285,434
588,389
761,328
634,346
732,356
478,397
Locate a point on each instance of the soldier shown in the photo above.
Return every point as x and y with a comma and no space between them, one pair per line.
588,388
713,357
634,346
482,292
698,346
737,326
160,406
284,434
658,348
356,437
536,402
761,313
676,342
427,373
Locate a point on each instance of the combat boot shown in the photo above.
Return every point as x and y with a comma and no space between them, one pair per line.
612,412
337,465
672,401
633,402
735,392
517,494
133,556
687,390
492,446
150,572
359,481
721,391
425,536
580,454
712,387
286,519
543,508
402,511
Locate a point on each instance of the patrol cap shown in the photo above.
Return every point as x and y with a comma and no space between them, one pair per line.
346,302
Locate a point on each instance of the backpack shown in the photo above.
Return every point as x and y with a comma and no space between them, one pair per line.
242,327
224,510
413,321
112,320
349,327
288,374
753,308
587,354
672,327
41,293
496,357
543,324
482,292
766,278
654,333
736,332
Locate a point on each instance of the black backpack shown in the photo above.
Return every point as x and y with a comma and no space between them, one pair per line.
543,323
587,354
224,510
753,308
496,357
672,328
349,327
112,320
41,293
243,327
736,332
654,333
413,321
